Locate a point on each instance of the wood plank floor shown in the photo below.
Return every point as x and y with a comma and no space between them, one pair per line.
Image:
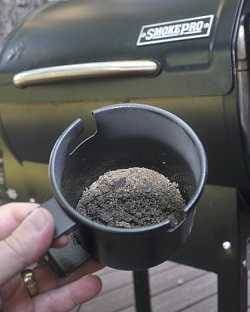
174,288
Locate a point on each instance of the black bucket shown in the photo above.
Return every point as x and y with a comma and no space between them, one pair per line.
127,135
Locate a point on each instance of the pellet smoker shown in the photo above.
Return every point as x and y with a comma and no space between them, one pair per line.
187,57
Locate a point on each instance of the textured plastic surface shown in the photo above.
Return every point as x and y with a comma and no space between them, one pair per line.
66,225
138,248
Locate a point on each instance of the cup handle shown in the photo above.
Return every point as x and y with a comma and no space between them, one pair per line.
63,223
65,260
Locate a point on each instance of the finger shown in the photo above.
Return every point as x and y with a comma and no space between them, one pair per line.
69,296
48,280
11,215
89,267
26,244
61,242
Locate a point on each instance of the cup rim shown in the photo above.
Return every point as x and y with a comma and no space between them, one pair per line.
111,229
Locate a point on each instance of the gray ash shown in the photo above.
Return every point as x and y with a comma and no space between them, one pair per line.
132,197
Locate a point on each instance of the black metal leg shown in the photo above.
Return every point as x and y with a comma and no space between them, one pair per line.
142,291
232,274
232,284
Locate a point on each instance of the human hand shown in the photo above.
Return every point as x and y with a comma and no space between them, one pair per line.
26,233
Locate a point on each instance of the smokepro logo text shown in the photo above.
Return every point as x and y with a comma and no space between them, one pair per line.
190,28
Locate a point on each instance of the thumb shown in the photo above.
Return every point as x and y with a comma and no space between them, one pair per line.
26,244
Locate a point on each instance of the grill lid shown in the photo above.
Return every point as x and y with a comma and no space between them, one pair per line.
191,41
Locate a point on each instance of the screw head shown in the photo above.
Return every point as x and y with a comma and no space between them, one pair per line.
227,245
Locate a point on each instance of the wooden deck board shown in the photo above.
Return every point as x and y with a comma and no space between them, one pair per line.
206,305
186,295
174,288
167,281
120,279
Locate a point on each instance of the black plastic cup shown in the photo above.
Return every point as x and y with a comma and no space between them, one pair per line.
127,135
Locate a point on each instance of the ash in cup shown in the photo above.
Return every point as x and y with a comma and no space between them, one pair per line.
129,184
130,198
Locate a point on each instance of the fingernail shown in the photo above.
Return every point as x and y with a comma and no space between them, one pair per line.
94,281
64,240
39,219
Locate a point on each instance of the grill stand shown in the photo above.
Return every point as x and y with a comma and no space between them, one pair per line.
218,245
232,269
142,291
